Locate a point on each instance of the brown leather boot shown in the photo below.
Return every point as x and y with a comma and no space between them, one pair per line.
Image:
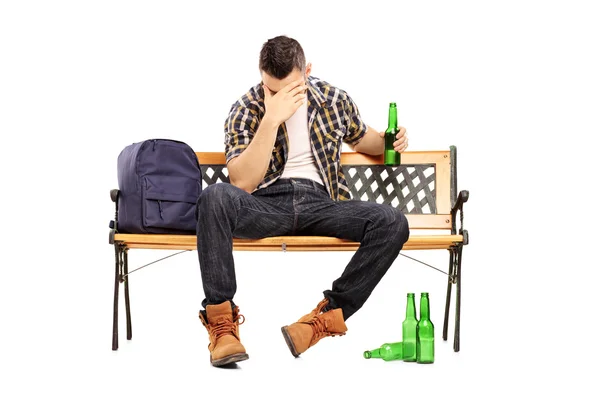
313,327
222,324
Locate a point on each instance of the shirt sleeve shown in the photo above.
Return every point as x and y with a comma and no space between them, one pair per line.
356,127
240,127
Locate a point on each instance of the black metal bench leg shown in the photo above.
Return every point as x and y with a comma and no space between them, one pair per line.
115,335
448,292
458,289
127,307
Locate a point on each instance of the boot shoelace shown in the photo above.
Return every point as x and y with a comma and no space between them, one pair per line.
319,328
223,326
318,325
320,306
313,314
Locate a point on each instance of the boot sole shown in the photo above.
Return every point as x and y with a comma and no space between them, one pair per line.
289,342
229,359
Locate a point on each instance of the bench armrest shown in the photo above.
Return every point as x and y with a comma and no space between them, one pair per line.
462,198
114,196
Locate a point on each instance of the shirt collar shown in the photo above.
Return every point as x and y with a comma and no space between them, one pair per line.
314,94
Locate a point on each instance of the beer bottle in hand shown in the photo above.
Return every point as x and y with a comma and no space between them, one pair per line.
391,156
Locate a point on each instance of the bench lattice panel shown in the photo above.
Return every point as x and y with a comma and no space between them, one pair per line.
408,187
214,174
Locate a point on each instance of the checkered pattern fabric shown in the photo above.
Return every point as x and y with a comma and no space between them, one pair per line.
333,118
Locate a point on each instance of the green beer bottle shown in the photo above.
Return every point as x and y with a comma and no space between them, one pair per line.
391,156
409,329
425,338
387,351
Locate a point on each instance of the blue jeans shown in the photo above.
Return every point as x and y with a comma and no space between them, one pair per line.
296,207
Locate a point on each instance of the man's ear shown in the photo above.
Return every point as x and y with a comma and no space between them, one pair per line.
308,69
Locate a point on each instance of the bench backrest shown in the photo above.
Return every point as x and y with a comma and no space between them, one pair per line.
423,186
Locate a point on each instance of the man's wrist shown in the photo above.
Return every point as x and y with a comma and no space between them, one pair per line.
269,122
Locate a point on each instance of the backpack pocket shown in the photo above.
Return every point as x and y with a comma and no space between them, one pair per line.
169,203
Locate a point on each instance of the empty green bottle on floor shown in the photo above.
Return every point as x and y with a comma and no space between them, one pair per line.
391,156
409,329
387,351
425,336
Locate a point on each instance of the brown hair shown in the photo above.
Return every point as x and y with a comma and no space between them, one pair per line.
280,55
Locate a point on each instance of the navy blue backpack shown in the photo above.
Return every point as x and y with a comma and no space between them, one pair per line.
160,181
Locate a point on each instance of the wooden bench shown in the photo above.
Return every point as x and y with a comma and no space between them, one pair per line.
424,187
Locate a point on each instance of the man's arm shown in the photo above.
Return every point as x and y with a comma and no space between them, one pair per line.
373,142
248,169
364,139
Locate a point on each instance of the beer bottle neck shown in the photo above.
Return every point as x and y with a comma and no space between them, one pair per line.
372,353
424,307
392,118
411,312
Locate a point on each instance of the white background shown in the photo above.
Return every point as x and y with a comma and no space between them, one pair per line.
513,84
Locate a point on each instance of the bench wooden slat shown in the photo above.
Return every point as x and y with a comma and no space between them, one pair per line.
293,243
429,221
252,247
352,158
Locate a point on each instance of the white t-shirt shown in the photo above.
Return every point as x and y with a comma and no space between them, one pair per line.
301,161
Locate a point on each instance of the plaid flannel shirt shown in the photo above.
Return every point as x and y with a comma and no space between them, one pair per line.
333,118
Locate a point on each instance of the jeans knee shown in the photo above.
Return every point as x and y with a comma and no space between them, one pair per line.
216,196
396,223
402,227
